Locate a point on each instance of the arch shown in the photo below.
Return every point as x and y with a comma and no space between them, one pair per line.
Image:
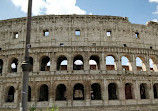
31,63
13,65
10,94
155,90
61,92
29,93
143,91
95,91
113,91
126,65
43,93
128,91
94,62
153,64
78,92
1,65
78,63
62,63
110,62
140,64
45,63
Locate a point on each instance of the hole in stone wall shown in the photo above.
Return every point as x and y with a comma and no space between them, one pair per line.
10,94
108,33
77,32
136,35
15,35
46,33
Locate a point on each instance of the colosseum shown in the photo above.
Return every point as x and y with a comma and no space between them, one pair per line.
81,63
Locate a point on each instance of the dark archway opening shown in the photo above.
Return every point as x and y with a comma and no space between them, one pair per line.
143,91
95,92
78,92
1,65
78,63
128,91
14,65
61,92
62,63
45,64
10,96
43,93
155,90
94,63
112,91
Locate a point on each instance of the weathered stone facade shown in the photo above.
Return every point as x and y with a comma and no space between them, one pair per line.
80,87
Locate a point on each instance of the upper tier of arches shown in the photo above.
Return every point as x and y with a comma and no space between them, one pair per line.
83,62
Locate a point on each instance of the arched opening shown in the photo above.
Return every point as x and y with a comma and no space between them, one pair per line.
140,64
1,66
110,63
62,63
78,92
152,64
155,90
125,63
78,63
95,92
43,96
29,93
10,94
94,62
128,91
61,92
112,91
143,91
31,63
45,63
14,65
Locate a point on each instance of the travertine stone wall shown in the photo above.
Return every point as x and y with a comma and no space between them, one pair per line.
92,41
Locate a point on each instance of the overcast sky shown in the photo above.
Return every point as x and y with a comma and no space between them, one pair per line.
138,11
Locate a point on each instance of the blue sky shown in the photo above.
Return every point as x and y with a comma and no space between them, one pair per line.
138,11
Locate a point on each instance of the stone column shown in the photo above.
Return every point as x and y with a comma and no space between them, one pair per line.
151,92
34,92
118,63
105,92
102,62
36,63
133,63
5,65
145,64
51,94
70,63
53,62
87,94
69,94
121,89
86,62
16,95
20,60
137,91
1,94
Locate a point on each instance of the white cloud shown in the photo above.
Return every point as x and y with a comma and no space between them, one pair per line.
153,1
155,20
50,6
156,12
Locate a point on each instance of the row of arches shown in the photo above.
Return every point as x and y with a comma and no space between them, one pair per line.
78,63
79,92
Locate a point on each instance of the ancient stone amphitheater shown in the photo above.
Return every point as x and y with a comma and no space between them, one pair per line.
81,63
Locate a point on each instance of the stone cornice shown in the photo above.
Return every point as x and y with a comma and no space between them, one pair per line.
68,49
